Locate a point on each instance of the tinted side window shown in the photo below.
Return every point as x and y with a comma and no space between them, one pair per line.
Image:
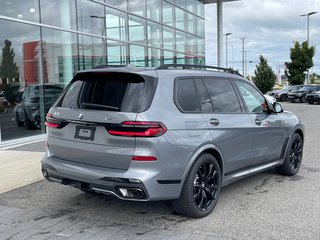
70,99
186,95
205,101
253,99
223,96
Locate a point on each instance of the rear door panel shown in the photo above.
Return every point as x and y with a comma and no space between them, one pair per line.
229,126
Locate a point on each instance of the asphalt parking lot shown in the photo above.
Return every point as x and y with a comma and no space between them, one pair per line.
264,206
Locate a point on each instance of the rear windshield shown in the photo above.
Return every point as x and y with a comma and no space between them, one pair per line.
122,92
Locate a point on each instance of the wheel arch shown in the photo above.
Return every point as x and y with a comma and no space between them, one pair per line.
300,132
210,149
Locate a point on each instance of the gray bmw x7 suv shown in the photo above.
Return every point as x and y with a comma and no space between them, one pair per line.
178,132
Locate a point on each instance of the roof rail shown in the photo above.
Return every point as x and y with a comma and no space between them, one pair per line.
109,66
190,66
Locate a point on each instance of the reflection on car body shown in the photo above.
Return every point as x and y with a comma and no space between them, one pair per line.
27,111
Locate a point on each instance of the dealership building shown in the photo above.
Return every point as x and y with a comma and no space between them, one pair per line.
45,42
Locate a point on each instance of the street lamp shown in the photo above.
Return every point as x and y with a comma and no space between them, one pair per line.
227,34
308,16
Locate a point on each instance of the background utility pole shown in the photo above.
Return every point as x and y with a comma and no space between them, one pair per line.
245,63
243,56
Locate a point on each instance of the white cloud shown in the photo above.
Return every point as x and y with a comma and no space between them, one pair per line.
270,28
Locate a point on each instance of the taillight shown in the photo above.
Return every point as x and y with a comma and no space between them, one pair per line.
53,122
138,129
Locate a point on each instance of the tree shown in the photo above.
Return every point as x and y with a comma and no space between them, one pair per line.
8,67
264,78
301,61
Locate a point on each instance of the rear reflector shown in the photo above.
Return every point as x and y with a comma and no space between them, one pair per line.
144,158
138,129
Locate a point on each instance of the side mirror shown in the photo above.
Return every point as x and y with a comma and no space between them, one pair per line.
277,107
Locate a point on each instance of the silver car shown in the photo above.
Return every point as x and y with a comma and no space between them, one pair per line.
175,133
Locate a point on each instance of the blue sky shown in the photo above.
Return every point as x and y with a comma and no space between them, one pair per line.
270,28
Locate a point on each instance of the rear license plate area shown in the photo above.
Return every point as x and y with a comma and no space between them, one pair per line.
85,133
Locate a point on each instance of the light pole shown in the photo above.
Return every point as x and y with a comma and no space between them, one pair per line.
242,39
308,16
227,34
245,63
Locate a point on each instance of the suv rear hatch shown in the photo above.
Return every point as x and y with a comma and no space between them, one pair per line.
92,121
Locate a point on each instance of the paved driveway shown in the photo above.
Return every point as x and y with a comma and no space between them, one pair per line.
265,206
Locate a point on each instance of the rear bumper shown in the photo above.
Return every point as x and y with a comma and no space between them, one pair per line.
140,176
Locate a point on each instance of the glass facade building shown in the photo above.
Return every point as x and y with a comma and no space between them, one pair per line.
45,42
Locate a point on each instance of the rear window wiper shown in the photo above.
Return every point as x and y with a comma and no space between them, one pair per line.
99,106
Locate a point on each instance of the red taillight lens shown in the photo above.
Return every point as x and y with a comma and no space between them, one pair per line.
53,122
139,129
144,158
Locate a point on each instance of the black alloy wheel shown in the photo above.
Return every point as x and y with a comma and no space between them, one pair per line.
283,98
293,158
37,120
201,188
295,155
205,186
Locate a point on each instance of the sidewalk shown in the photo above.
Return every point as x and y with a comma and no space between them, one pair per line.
20,167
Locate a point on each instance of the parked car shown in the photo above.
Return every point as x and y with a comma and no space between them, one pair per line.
300,95
3,100
171,133
282,95
313,97
27,112
270,99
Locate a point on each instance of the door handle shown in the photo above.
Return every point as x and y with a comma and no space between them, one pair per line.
214,122
257,122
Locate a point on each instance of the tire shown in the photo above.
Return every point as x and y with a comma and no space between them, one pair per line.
18,122
37,122
201,188
293,158
29,125
283,98
310,102
292,101
303,99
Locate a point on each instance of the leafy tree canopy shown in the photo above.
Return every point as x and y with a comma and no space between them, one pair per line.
301,56
264,77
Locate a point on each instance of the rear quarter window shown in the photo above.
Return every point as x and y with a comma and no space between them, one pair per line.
186,96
